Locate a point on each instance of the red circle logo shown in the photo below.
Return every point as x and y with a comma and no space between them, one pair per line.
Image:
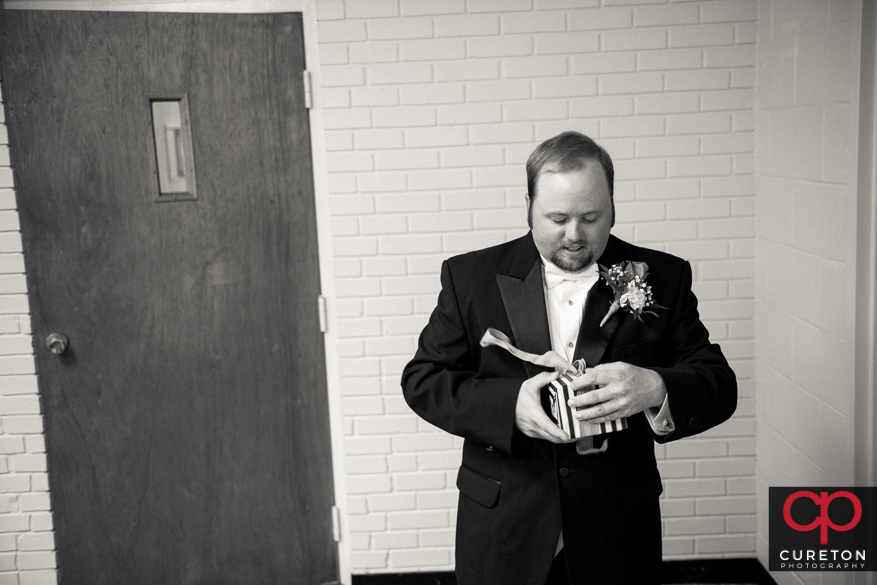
823,522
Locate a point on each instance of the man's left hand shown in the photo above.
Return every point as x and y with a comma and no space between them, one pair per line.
624,390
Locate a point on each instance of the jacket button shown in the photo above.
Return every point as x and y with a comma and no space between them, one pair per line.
490,447
693,421
563,471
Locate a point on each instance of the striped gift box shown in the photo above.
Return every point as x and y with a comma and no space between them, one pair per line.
559,394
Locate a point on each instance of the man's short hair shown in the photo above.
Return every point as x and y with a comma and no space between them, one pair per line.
566,152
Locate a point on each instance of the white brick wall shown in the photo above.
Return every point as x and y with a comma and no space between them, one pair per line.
431,110
27,542
807,144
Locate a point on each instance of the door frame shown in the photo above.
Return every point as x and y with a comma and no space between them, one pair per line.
321,198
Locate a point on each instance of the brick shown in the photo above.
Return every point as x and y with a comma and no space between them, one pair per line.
407,203
330,10
435,137
382,183
443,222
7,199
634,40
738,227
469,114
698,166
706,35
490,91
534,22
638,126
338,119
677,546
745,33
538,66
9,221
434,538
665,146
473,200
34,502
502,46
675,488
374,96
433,93
499,5
395,540
472,156
725,544
430,7
368,484
441,179
625,83
382,138
355,205
732,99
340,31
670,59
384,267
736,56
741,142
9,324
374,52
697,80
420,558
406,116
334,55
693,526
409,159
729,11
603,63
419,519
698,209
433,50
400,28
372,8
10,523
342,76
367,522
401,463
600,19
641,169
369,560
418,481
665,15
467,25
398,73
21,425
349,161
19,404
569,86
536,110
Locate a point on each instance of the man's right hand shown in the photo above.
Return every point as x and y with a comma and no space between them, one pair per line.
530,417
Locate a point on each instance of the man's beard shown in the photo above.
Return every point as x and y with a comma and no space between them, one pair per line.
572,265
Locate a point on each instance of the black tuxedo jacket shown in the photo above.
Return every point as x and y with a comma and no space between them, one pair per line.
516,492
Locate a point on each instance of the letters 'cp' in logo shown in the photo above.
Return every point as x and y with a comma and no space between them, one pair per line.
822,521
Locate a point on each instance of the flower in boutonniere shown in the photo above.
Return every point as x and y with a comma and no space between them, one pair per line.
628,281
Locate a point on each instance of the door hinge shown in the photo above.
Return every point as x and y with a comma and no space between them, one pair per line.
321,307
336,523
309,98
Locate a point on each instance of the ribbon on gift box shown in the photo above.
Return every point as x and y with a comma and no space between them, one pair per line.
560,392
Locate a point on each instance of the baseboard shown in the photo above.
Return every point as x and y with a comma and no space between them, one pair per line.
747,571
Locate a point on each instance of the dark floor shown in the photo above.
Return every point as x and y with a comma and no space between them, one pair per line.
696,572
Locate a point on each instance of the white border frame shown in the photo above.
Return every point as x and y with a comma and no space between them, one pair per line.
321,198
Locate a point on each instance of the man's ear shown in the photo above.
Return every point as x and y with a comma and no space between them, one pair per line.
529,211
612,225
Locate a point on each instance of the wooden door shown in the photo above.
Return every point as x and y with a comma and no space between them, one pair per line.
187,422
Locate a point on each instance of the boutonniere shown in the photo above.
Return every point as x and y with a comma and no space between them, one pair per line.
628,281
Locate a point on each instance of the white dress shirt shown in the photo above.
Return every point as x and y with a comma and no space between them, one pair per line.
565,297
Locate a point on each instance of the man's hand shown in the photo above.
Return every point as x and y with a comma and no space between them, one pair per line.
625,390
530,417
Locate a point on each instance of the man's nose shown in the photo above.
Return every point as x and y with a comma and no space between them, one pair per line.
575,231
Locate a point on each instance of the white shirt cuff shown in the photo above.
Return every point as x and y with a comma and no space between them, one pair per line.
661,419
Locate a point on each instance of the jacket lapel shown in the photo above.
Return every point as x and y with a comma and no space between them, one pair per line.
593,339
520,285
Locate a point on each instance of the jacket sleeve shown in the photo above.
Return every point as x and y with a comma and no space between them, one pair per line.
442,383
701,386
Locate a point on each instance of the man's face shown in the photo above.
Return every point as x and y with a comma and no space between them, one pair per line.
571,216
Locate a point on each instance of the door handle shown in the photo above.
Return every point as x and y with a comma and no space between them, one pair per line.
57,343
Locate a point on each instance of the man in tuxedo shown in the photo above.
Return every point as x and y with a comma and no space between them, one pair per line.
532,509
